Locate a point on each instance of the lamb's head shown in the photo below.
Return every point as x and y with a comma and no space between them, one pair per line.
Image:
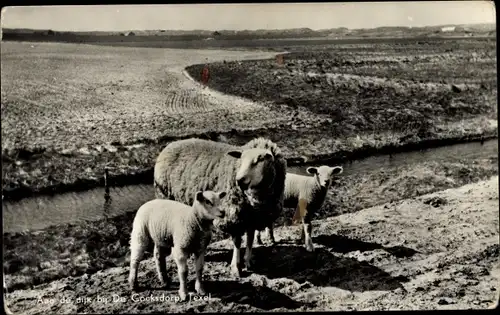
208,203
255,172
324,174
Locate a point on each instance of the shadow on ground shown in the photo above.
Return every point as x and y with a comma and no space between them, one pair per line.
227,290
342,244
245,293
230,291
320,268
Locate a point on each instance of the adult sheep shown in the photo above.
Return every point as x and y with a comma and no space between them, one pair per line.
253,175
307,194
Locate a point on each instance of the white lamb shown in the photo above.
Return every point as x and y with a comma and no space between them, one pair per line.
307,194
178,229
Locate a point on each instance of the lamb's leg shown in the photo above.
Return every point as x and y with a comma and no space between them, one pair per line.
248,251
199,262
136,255
182,269
235,262
307,230
271,234
300,216
160,254
301,240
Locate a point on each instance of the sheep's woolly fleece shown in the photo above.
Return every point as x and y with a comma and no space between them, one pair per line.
306,188
189,165
160,220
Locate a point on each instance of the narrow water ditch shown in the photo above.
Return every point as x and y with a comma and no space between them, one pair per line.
38,212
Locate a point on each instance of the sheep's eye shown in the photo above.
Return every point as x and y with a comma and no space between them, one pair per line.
209,203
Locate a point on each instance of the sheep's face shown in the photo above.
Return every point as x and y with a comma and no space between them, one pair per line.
210,203
255,170
324,174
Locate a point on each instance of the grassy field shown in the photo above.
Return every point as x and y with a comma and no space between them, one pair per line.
414,86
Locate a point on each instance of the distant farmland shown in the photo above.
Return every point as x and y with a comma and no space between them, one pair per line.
242,40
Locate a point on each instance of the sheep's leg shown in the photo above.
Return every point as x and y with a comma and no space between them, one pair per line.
182,269
248,251
235,262
160,253
307,230
136,255
199,262
259,240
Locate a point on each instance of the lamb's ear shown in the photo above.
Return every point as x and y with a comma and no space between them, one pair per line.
235,154
312,170
199,196
337,170
222,194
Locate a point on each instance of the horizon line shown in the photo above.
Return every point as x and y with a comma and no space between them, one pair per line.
258,29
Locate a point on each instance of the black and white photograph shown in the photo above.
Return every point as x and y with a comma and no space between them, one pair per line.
249,157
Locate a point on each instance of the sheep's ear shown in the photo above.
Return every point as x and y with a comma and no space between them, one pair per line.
235,154
200,197
312,170
222,194
337,170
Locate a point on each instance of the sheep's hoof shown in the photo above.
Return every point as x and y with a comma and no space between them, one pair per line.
182,295
164,283
248,266
259,241
199,289
133,287
236,271
310,247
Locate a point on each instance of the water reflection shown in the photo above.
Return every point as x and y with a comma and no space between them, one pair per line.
107,195
107,203
452,153
39,212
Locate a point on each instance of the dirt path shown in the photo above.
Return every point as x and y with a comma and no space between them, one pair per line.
437,251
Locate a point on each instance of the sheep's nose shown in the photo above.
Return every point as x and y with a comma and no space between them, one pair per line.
242,182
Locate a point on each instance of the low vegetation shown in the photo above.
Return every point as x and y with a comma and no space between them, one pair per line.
368,90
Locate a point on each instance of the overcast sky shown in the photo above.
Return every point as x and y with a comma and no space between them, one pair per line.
247,16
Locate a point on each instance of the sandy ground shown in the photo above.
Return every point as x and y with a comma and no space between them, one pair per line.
437,251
